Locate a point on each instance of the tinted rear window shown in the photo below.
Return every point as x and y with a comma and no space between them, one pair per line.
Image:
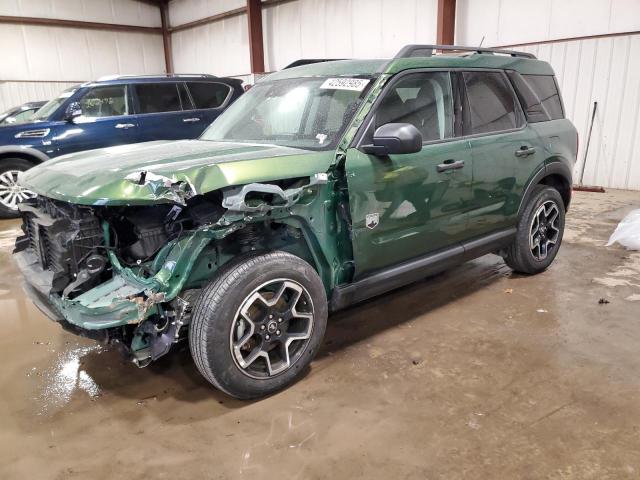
208,94
539,96
491,104
158,97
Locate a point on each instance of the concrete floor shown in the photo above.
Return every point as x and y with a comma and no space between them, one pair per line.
476,373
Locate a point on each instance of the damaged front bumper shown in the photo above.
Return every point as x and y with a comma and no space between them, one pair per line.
125,299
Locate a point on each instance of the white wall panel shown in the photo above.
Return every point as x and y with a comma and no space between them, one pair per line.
129,12
510,22
33,52
17,93
220,48
345,28
185,11
607,71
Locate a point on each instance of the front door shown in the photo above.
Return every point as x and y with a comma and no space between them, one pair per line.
405,206
106,120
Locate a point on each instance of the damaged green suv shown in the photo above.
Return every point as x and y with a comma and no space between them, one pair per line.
324,185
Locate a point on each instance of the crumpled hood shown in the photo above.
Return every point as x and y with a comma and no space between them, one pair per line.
146,173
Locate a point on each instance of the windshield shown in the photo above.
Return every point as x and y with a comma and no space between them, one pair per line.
52,105
307,113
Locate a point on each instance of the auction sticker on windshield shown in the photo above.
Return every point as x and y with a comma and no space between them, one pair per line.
356,84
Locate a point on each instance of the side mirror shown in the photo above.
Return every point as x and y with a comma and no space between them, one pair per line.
395,138
73,111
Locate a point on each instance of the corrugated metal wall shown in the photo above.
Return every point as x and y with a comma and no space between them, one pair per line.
607,71
298,29
50,55
603,70
220,48
130,12
510,22
15,93
345,28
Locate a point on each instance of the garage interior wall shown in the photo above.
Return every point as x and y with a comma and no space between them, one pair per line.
593,45
604,69
37,62
297,29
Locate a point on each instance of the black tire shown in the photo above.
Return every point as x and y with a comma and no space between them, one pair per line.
217,312
11,165
520,256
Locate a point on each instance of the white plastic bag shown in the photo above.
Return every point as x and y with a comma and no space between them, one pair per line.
627,233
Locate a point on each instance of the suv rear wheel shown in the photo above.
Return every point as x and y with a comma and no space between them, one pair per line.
539,233
10,192
258,324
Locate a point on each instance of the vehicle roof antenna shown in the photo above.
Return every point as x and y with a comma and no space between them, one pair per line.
481,42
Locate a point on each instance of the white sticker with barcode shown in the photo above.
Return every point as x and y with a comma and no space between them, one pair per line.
356,84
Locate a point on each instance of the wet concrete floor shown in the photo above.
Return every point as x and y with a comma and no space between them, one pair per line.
475,373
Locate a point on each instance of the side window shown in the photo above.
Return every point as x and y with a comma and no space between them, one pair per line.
107,101
208,94
539,96
491,106
24,115
158,97
422,99
19,117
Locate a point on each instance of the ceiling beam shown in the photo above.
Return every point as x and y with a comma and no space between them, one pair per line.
256,45
55,22
446,22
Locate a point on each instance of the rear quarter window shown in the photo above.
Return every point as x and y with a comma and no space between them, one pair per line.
539,96
208,94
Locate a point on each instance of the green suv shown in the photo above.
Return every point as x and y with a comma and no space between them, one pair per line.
326,184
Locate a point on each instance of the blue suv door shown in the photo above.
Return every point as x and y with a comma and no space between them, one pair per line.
106,120
165,112
209,99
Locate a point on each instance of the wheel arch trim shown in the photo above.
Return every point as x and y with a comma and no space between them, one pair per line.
23,152
551,168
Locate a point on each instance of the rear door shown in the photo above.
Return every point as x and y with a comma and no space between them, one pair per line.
405,206
106,120
506,151
164,111
209,100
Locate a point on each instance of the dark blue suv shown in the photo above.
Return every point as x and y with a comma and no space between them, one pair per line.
111,111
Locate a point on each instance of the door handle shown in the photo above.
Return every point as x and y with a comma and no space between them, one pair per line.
525,151
450,165
125,125
190,120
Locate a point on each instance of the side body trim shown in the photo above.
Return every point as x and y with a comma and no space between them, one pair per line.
410,271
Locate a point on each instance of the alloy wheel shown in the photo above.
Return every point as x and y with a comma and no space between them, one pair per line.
11,193
544,231
272,328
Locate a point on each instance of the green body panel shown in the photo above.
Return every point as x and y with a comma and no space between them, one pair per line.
110,176
500,178
418,209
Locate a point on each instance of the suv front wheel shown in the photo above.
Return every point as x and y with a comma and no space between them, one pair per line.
539,232
258,324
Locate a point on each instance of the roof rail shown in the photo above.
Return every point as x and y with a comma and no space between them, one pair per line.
308,61
427,51
159,75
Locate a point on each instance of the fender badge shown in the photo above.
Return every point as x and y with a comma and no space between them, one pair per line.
372,220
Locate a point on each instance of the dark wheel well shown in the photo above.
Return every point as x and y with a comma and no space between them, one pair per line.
561,184
23,156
